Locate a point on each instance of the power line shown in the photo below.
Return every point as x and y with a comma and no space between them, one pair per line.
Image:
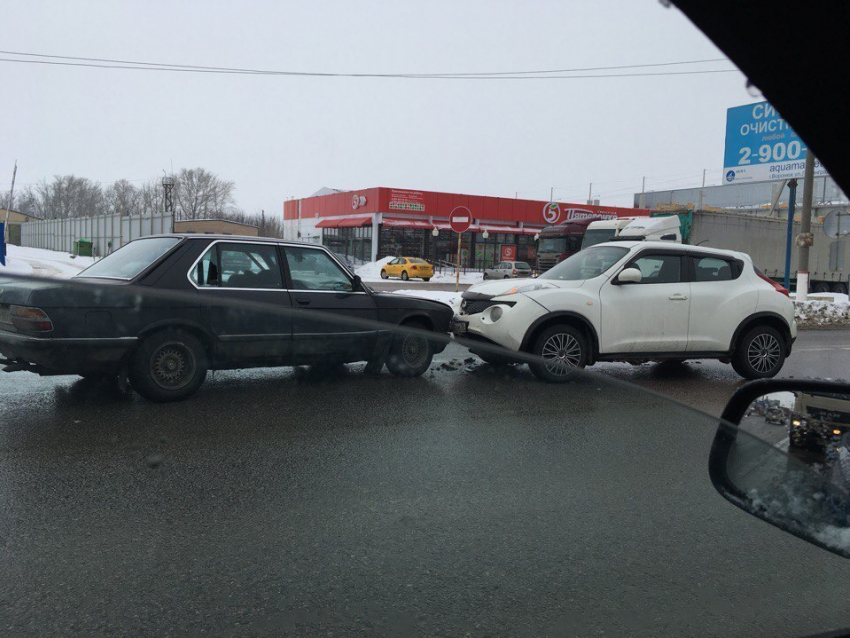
441,75
103,63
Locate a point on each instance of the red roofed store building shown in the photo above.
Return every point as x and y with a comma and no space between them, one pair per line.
365,225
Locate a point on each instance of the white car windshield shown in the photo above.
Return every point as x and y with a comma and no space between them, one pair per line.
586,264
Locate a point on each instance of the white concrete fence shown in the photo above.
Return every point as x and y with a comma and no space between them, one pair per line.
106,232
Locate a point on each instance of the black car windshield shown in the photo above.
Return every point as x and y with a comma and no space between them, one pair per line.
129,261
586,264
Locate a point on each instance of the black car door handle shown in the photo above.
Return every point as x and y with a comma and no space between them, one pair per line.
304,301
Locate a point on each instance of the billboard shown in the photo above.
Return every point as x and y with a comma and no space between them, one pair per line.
761,146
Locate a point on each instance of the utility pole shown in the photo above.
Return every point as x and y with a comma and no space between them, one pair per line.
702,192
805,239
590,194
792,201
643,193
552,194
11,199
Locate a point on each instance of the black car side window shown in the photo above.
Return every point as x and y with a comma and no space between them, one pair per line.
313,269
713,269
659,269
206,270
249,266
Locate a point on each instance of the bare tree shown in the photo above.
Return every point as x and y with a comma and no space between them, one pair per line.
122,198
200,194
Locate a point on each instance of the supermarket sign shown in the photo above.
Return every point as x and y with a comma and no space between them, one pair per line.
761,146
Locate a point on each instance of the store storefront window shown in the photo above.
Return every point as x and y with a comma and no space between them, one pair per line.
396,242
353,243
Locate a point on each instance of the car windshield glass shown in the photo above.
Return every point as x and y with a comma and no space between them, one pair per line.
552,244
597,236
129,261
521,265
416,260
586,264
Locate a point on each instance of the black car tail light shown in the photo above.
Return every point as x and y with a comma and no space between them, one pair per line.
27,319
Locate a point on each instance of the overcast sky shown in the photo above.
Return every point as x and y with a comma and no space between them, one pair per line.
278,137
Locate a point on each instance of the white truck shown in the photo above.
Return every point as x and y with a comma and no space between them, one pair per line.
633,228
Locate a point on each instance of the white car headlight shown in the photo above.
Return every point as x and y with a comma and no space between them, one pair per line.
524,288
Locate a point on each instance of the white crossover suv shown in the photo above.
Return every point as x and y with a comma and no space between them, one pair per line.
635,301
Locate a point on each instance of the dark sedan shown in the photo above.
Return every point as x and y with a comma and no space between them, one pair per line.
215,302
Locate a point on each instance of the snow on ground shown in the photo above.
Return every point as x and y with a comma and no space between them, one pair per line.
819,314
834,297
822,309
39,262
372,272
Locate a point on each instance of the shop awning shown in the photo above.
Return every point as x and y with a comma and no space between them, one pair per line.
329,223
406,223
445,226
493,228
528,231
355,221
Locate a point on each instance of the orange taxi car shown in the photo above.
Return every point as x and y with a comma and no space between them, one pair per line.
407,268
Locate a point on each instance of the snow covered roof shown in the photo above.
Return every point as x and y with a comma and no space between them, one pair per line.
324,190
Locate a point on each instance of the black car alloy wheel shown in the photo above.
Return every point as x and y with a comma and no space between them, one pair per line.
172,365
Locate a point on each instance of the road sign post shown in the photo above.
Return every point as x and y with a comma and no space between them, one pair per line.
460,220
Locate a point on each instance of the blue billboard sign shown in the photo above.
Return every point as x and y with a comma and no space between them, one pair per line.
761,146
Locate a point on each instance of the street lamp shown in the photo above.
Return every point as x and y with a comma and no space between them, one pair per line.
537,237
485,234
435,232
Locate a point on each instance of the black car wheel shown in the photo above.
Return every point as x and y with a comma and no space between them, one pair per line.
410,354
426,279
821,287
168,366
384,275
485,276
404,275
759,354
561,351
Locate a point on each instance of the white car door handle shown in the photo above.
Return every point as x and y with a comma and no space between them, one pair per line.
678,297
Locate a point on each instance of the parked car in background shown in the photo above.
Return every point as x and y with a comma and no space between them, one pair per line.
635,302
508,270
255,302
408,268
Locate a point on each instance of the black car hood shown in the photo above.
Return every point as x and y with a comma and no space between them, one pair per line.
391,300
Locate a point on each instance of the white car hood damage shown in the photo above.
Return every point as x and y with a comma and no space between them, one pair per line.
498,288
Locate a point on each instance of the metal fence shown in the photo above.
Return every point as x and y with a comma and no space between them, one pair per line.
106,232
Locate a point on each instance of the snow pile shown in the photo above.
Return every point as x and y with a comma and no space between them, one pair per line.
39,262
821,314
15,266
372,272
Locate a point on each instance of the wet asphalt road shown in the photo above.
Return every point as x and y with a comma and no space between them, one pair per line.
471,501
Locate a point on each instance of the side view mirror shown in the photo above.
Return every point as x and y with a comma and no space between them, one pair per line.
356,283
629,276
782,454
670,237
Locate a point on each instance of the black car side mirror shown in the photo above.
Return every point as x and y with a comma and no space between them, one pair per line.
356,283
782,454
